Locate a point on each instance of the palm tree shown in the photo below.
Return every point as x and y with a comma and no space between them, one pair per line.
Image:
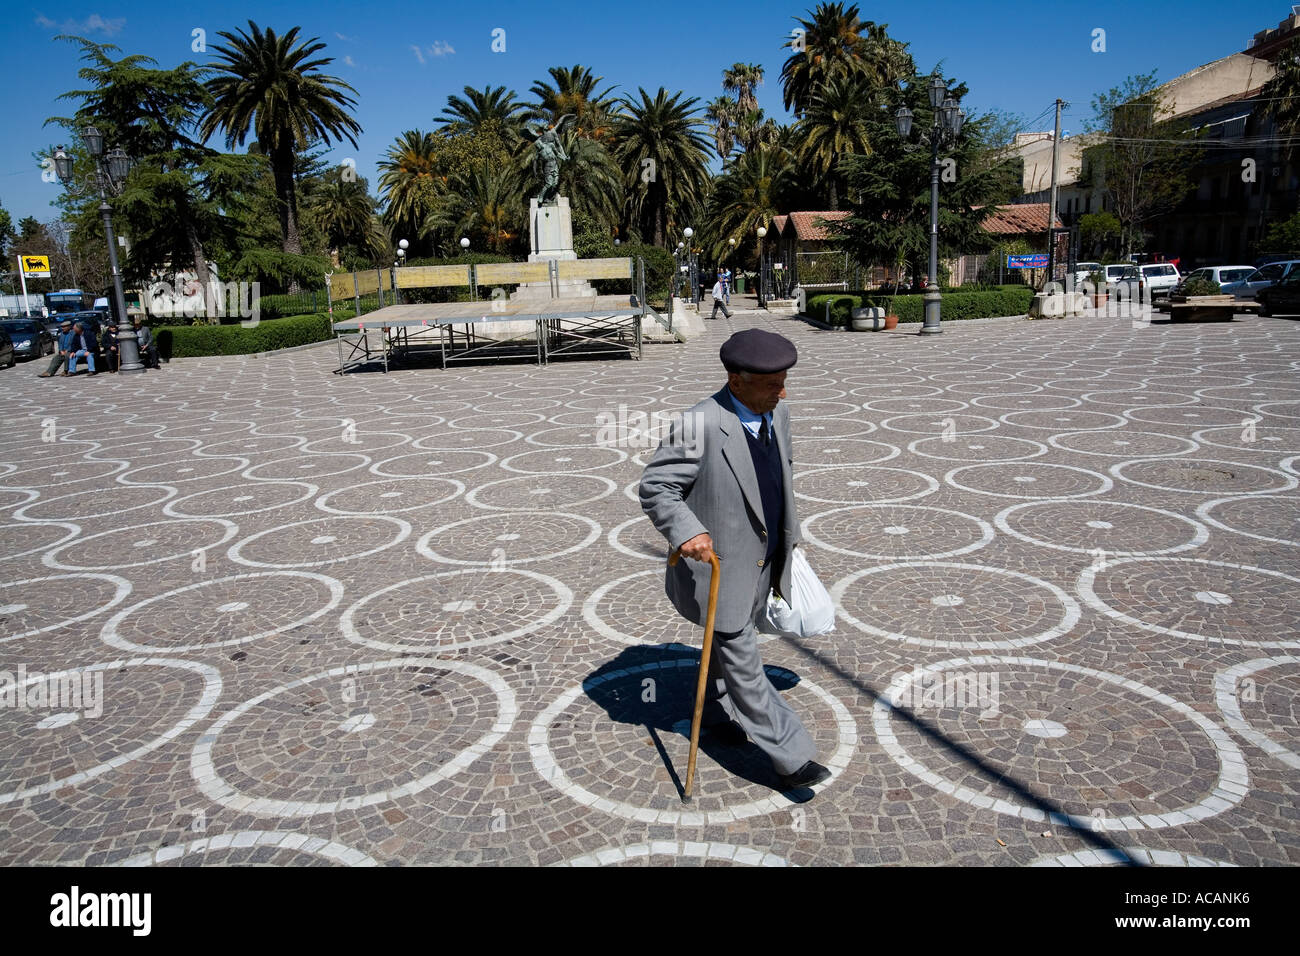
591,179
722,115
486,204
662,155
832,45
343,210
574,94
755,132
267,84
742,79
835,125
747,196
411,178
469,114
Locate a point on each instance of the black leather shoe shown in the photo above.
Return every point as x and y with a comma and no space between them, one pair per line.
810,774
729,733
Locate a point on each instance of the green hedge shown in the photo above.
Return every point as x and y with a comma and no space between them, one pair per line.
190,341
911,308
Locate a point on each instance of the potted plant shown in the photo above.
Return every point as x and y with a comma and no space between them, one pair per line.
1099,292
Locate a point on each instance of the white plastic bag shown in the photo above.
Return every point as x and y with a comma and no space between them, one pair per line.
810,611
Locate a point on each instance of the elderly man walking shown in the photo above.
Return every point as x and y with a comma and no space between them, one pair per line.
721,483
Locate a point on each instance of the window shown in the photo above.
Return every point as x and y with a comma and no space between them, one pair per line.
1270,273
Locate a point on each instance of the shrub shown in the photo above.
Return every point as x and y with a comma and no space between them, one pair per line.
911,308
1199,286
191,341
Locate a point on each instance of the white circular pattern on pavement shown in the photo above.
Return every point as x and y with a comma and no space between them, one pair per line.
279,493
192,615
613,855
1215,473
390,496
1062,522
342,522
1273,511
863,484
9,533
1226,689
1127,856
974,616
1182,576
215,788
940,534
109,545
473,621
537,527
1228,791
12,631
1057,481
211,691
540,492
544,762
241,839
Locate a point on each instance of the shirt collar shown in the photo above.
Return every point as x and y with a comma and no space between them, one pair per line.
747,418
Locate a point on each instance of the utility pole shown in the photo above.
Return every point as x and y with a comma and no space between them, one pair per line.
1051,209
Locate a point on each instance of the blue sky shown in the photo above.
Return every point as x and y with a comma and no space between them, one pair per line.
405,58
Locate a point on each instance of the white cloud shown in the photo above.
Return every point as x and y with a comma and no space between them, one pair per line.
343,37
348,60
440,48
92,24
418,55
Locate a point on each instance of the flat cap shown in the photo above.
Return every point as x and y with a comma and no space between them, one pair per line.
755,350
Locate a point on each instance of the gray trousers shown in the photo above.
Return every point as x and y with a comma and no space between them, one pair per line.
739,689
719,304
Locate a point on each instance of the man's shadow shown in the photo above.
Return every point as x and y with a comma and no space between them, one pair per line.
653,686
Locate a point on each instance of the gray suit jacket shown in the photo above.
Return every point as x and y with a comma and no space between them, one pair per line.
702,479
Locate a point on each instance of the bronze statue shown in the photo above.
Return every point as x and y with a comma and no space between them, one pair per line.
548,154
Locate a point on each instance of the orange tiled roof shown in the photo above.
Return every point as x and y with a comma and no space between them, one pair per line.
1018,219
807,224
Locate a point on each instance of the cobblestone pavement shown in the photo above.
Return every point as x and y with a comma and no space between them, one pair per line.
418,617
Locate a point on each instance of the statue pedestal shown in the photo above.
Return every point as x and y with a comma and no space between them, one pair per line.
550,230
550,234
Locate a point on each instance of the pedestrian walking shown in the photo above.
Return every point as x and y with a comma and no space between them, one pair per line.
720,484
719,300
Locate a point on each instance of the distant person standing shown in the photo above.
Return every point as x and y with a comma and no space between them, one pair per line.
719,299
725,275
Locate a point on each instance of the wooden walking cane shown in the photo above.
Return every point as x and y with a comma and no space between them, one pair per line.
702,682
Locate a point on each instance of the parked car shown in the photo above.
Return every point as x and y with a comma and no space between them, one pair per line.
1084,269
1281,298
7,357
1219,274
30,338
1116,270
1261,278
1156,280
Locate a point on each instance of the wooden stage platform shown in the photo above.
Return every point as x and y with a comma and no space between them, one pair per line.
536,329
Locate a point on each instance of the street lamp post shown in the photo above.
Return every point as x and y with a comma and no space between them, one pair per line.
693,264
762,269
945,129
110,175
401,261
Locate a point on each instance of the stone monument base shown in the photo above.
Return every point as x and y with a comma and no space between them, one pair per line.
550,231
